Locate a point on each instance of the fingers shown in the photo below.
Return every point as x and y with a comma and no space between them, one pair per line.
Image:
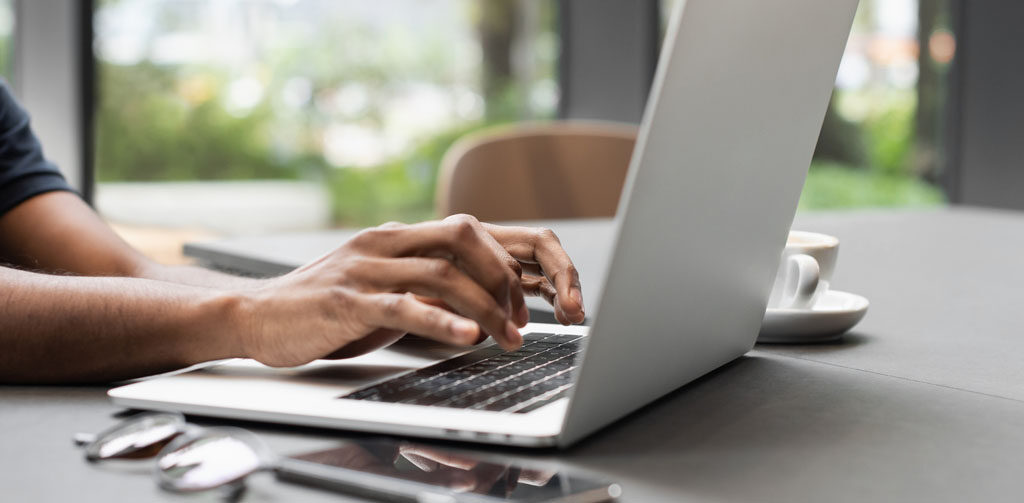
537,478
471,242
539,286
432,301
380,338
466,242
531,268
520,313
439,456
541,247
404,313
420,462
439,279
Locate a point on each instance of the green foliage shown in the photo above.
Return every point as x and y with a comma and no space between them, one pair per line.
148,132
834,186
402,190
887,177
890,133
841,140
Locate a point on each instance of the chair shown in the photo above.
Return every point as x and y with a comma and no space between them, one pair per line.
530,171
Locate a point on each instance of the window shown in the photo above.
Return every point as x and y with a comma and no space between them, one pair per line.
881,142
250,116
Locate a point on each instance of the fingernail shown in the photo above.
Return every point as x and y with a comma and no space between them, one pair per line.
512,335
524,315
466,330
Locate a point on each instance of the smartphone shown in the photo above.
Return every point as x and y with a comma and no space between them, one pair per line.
393,470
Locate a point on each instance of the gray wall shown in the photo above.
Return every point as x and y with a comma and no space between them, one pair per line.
990,136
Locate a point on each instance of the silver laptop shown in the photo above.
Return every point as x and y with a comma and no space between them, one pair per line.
730,126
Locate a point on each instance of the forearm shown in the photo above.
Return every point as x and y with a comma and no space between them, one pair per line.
57,232
195,276
78,329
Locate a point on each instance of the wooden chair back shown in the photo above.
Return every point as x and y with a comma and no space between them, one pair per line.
531,171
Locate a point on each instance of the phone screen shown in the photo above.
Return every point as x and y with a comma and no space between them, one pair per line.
407,471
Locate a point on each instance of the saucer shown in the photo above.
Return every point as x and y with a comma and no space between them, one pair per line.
834,314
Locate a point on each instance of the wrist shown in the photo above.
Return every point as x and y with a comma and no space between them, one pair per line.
224,316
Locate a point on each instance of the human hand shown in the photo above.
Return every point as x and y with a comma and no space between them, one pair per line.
545,268
454,281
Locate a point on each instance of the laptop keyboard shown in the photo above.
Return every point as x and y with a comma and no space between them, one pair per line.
490,378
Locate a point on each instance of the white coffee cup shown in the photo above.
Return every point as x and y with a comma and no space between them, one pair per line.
805,270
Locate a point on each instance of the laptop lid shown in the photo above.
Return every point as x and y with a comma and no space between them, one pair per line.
730,127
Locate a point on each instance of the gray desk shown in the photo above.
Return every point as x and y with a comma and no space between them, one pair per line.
922,402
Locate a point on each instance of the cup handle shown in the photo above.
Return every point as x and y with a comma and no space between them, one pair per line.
802,277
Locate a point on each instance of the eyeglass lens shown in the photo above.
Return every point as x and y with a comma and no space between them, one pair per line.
140,437
210,459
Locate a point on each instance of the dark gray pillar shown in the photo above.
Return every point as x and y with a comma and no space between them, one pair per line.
609,52
990,136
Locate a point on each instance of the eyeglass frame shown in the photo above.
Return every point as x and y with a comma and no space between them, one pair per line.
182,435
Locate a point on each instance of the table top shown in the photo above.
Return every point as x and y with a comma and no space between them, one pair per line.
922,401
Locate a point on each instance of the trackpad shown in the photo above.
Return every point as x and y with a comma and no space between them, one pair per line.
408,354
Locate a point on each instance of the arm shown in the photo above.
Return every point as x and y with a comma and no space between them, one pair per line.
454,281
92,329
58,233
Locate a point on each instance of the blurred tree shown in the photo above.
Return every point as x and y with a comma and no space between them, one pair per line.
497,25
148,131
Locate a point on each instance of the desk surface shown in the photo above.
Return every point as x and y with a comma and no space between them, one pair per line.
923,401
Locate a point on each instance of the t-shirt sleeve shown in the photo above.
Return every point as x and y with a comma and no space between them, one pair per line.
24,172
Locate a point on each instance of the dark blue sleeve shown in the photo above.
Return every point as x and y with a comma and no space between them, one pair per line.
24,172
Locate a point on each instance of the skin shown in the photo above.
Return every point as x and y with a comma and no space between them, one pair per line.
80,305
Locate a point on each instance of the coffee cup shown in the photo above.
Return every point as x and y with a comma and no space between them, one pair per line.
805,270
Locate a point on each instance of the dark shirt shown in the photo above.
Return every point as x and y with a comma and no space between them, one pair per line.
24,172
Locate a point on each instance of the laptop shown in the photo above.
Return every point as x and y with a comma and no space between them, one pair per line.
737,103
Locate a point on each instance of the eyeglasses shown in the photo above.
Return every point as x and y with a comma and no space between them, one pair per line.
189,458
192,459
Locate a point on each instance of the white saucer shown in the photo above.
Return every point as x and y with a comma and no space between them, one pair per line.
834,314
